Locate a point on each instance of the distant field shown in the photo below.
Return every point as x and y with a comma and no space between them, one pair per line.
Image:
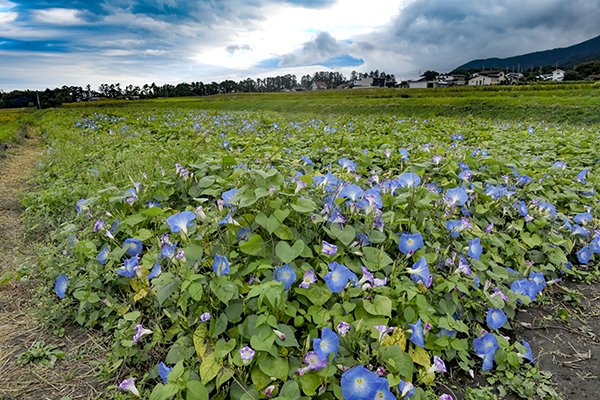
9,123
550,103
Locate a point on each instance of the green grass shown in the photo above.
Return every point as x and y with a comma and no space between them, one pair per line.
11,124
578,104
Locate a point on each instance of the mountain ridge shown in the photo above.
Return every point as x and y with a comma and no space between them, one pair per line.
564,57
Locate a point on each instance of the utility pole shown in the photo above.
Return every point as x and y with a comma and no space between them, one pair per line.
37,95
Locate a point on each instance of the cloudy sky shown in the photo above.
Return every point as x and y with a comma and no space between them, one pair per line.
46,43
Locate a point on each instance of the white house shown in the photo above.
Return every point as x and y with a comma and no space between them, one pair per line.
422,83
362,83
558,75
318,85
485,78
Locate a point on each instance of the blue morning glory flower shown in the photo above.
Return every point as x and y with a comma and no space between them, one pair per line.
583,218
465,175
81,206
406,389
129,267
463,166
329,182
383,390
358,383
164,372
416,335
60,285
409,180
595,245
523,180
420,273
528,355
327,344
133,245
102,256
496,318
455,227
584,255
338,276
352,192
371,200
220,265
475,248
307,160
328,248
525,287
409,243
228,195
155,271
131,196
547,208
522,207
181,221
485,347
539,280
404,156
286,275
348,164
559,165
581,176
456,196
167,251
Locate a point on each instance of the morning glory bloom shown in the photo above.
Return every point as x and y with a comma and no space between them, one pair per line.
139,332
584,255
129,268
383,390
559,165
456,197
358,383
81,206
406,389
528,355
328,248
436,159
60,285
496,318
438,365
314,363
128,385
583,218
446,396
155,271
343,328
581,176
181,221
205,317
307,160
228,195
102,256
420,273
308,279
348,164
475,248
409,180
163,372
247,354
522,207
594,245
485,347
525,287
131,196
329,182
99,225
327,344
338,277
181,171
286,275
352,192
409,243
466,175
547,208
416,335
167,251
523,180
404,156
133,245
220,265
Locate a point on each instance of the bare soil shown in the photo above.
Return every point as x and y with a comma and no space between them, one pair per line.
74,376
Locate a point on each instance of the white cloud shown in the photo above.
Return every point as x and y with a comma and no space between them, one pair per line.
58,16
7,17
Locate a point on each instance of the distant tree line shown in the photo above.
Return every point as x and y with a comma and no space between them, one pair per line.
68,94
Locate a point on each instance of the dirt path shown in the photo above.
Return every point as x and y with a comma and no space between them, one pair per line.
72,377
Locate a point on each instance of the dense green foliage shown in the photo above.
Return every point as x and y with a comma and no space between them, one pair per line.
118,165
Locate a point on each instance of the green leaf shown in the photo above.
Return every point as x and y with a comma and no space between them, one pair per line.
345,235
253,246
209,368
375,259
163,392
290,390
132,316
397,361
276,367
199,338
380,305
310,383
287,253
166,285
224,289
304,206
290,339
195,291
196,391
224,375
318,295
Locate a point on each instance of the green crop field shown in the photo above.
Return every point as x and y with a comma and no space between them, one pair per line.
301,244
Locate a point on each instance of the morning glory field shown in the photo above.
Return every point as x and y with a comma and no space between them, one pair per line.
390,244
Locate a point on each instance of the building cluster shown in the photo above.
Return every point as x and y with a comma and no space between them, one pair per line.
483,78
